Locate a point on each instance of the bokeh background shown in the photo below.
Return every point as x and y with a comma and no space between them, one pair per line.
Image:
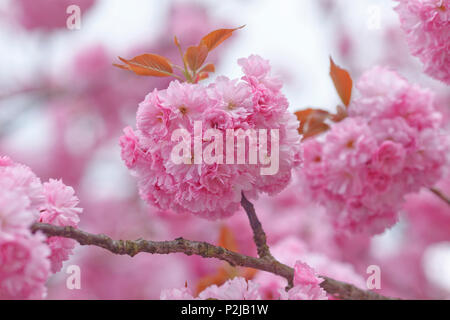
63,107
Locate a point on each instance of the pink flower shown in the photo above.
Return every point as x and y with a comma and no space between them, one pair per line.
60,206
185,102
24,201
177,294
232,96
15,215
24,266
351,142
218,119
383,94
21,197
390,145
255,66
237,288
313,155
152,116
306,280
427,215
21,179
426,24
389,158
60,209
211,188
305,275
306,285
61,249
129,144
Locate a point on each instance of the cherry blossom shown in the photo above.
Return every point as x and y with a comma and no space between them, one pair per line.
426,25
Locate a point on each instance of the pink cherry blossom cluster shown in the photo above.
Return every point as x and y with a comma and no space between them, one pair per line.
60,209
306,282
389,146
27,259
427,27
210,190
306,287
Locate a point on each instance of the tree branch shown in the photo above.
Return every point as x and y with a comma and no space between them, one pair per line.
204,249
441,195
259,236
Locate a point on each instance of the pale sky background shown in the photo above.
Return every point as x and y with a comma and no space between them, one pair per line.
292,34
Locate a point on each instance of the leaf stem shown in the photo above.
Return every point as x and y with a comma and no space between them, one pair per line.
185,71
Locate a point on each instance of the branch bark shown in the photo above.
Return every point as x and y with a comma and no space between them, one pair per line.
259,236
204,249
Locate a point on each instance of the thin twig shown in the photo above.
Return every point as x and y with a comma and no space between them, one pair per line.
204,249
259,236
441,195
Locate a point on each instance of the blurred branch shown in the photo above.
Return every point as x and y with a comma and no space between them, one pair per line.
40,94
440,195
132,247
40,89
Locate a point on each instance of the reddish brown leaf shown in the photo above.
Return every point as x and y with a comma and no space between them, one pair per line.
208,68
315,130
227,239
213,39
302,117
342,81
195,56
202,76
149,65
225,272
218,279
121,66
177,43
249,273
312,121
340,115
310,116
